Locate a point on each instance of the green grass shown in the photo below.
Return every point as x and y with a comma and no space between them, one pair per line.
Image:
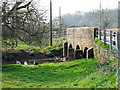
60,75
21,46
57,39
24,46
100,43
53,50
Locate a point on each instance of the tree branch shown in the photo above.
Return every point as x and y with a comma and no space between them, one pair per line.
17,8
24,6
29,33
16,35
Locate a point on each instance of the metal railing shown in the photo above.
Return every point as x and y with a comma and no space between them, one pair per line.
109,37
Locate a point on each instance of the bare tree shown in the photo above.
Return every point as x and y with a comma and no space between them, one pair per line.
23,22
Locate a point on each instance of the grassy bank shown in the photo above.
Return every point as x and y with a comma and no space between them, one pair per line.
85,73
100,43
57,39
25,52
55,50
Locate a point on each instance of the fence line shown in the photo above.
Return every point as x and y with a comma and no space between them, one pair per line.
109,37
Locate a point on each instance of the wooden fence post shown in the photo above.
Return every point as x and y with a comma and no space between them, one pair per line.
110,40
104,37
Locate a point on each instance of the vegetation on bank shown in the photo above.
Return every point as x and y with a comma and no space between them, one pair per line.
57,39
100,43
84,73
22,45
55,50
23,50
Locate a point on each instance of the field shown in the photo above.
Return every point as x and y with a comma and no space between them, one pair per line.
84,73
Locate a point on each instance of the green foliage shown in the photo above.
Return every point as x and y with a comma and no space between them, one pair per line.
100,43
60,75
20,45
55,50
57,39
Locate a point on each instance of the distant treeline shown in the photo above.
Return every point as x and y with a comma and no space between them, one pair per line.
104,19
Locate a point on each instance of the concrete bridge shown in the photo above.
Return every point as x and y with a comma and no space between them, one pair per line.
80,44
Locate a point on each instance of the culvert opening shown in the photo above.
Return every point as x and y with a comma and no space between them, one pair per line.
78,53
85,52
71,51
70,46
65,48
90,53
77,47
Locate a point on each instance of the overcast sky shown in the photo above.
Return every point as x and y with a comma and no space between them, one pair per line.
71,6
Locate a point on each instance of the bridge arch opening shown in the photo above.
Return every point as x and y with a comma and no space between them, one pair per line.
78,53
85,52
71,52
65,49
77,47
70,46
90,53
